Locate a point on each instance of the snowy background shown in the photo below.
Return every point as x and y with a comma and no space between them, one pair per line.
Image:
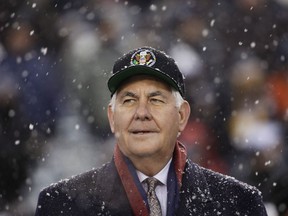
55,59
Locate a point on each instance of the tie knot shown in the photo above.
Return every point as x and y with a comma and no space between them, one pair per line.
152,183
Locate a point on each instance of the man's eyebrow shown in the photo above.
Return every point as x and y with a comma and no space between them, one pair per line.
151,94
128,94
156,93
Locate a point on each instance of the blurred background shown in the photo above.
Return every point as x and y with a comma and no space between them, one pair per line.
55,59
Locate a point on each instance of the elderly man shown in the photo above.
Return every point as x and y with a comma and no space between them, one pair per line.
149,173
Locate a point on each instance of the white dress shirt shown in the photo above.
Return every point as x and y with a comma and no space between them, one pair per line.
161,190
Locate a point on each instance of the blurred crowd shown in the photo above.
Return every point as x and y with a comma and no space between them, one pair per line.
55,59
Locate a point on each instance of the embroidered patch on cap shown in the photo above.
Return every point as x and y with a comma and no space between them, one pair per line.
143,57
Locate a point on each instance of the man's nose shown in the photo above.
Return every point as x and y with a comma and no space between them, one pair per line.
142,111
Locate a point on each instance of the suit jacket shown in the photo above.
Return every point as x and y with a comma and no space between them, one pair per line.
100,192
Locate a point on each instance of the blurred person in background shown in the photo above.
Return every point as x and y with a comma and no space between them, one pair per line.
87,53
36,73
257,137
30,89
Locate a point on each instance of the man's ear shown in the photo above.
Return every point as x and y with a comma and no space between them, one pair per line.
184,114
110,115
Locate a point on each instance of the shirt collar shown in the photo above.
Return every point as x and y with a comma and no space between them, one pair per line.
161,176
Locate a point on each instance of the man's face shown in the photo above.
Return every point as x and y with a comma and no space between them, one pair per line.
146,120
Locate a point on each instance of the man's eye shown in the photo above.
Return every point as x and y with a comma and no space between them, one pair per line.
156,101
128,101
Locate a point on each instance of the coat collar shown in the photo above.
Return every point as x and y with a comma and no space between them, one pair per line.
134,196
133,191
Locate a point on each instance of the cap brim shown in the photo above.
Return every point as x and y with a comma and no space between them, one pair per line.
118,78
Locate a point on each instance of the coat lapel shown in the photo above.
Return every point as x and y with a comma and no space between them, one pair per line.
195,197
108,193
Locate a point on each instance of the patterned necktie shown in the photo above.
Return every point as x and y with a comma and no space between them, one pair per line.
155,208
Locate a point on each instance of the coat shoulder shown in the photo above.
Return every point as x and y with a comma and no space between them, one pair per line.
228,195
225,183
89,179
76,194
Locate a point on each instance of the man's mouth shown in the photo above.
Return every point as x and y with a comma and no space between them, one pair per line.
141,132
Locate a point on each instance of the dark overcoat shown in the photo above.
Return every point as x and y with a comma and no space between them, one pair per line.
100,192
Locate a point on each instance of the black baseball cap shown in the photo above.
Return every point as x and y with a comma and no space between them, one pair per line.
146,61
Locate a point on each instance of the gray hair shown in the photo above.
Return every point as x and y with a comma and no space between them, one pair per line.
178,99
